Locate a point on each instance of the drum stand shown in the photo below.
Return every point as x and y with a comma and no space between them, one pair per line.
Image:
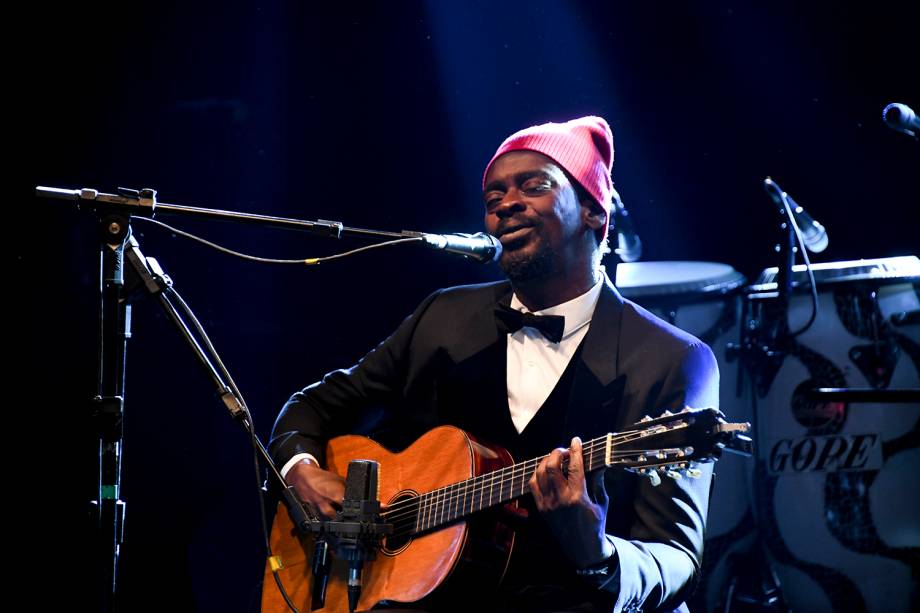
765,342
758,590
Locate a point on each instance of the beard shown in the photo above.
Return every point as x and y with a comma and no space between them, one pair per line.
521,267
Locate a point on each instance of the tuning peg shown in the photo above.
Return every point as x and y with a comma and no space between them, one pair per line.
673,474
694,473
653,477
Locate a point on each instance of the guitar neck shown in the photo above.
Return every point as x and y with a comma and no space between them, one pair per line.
459,500
669,444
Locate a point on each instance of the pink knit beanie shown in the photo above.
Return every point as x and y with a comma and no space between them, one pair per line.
583,147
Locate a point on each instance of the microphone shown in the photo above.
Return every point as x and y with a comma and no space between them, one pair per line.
629,245
359,516
902,118
813,233
481,247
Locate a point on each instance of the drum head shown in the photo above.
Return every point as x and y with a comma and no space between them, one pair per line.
878,272
637,280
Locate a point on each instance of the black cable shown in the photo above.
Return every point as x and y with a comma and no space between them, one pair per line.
264,519
219,365
808,270
248,423
209,347
305,261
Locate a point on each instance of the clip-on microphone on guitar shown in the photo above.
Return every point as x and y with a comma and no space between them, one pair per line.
356,531
322,562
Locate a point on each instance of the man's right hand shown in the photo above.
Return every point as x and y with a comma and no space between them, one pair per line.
320,489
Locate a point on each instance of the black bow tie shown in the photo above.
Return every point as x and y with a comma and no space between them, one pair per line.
510,321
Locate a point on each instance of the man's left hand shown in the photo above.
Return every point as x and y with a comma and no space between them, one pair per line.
562,497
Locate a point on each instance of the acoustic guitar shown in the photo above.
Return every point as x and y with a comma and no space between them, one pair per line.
437,489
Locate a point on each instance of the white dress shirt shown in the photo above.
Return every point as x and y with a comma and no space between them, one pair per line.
535,364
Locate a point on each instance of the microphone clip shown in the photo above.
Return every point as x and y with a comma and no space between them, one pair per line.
355,534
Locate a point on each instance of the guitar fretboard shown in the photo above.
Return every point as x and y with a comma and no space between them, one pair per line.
454,502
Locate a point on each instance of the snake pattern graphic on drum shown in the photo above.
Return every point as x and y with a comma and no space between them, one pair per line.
849,514
831,481
842,593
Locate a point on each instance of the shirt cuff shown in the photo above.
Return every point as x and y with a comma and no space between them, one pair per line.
297,458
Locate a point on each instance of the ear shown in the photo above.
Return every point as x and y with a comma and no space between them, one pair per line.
592,214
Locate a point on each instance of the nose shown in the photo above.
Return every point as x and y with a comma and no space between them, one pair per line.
509,205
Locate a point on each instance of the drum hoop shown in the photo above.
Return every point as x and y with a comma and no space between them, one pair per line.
880,271
856,281
688,292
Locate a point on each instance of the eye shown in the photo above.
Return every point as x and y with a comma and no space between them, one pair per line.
492,199
534,187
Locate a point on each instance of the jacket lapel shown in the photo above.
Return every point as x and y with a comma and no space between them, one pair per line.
597,389
478,324
473,390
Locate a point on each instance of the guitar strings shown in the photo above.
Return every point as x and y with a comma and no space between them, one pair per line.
462,488
408,523
446,504
442,494
449,502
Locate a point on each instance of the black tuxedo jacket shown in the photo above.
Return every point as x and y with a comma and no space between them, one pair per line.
631,364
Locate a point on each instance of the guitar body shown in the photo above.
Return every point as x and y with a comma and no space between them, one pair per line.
412,569
446,476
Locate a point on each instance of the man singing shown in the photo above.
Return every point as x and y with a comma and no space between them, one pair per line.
532,364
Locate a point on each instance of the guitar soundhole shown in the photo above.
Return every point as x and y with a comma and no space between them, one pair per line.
403,524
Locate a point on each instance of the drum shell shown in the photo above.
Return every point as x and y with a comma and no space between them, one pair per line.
836,487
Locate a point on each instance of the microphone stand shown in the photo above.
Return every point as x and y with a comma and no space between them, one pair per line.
124,271
108,510
765,337
764,344
143,203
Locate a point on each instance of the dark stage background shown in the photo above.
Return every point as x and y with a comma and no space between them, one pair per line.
381,116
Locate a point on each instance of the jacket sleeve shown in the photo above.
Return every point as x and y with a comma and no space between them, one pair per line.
656,566
346,398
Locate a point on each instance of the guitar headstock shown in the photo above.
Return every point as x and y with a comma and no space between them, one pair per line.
673,444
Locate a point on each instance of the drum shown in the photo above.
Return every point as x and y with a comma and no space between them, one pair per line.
836,488
704,299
